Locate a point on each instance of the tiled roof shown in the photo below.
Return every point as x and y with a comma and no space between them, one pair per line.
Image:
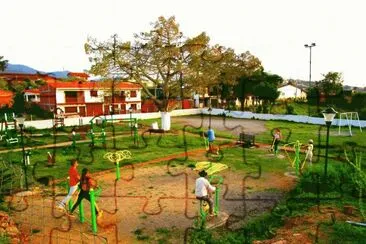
4,93
34,91
93,85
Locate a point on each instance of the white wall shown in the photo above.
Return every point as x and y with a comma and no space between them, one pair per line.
290,91
60,96
42,124
90,99
134,99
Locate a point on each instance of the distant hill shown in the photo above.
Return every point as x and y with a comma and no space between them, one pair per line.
59,74
24,69
20,69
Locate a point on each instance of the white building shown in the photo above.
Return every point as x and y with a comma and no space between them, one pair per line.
291,91
91,98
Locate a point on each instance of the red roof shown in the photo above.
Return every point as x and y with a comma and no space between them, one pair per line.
33,91
5,93
78,74
93,85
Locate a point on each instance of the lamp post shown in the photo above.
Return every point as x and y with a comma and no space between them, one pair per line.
20,121
310,46
209,118
130,110
329,115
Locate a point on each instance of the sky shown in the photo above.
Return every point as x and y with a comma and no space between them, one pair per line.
49,35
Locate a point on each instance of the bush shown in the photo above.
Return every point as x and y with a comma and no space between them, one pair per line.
290,109
259,109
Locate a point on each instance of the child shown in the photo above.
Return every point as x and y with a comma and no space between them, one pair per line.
276,140
204,189
74,178
211,139
309,152
86,182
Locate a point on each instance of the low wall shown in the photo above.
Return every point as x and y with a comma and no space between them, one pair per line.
286,117
43,124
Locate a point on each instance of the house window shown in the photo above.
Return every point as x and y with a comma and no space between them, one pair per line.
133,94
71,94
71,110
93,93
133,106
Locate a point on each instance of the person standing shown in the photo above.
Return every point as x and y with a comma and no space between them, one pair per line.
204,190
309,152
277,136
74,178
211,138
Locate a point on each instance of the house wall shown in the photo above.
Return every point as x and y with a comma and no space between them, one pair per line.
90,99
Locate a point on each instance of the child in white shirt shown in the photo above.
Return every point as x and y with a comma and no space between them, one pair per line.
204,189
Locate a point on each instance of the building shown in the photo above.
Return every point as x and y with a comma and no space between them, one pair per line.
86,98
32,95
290,91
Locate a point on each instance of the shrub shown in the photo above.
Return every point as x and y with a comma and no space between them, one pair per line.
290,109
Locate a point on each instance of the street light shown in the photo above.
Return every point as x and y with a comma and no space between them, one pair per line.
329,115
20,122
309,46
209,118
130,110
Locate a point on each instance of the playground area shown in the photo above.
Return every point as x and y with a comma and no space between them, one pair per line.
148,195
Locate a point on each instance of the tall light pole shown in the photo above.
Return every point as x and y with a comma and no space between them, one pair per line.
20,122
329,115
310,46
130,110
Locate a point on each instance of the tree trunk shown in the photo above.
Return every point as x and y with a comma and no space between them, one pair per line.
165,121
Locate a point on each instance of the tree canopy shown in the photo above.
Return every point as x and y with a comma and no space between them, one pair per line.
3,63
163,57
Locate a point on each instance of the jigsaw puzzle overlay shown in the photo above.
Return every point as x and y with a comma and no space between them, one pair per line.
142,199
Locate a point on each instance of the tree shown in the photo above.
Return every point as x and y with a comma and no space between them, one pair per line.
160,57
332,84
3,63
260,84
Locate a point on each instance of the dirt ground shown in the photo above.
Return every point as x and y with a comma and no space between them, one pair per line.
151,202
217,123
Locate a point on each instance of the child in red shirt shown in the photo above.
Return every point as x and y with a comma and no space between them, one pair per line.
74,178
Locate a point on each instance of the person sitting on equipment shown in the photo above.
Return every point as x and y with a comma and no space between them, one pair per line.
309,152
211,139
204,190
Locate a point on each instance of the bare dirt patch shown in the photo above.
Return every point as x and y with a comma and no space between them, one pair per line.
249,126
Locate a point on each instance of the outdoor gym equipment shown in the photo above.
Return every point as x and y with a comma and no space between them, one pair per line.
204,208
59,118
348,116
116,157
94,195
209,167
74,137
296,162
8,129
102,137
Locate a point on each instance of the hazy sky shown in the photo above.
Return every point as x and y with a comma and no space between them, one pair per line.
49,35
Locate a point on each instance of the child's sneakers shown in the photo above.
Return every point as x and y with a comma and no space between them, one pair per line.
61,206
